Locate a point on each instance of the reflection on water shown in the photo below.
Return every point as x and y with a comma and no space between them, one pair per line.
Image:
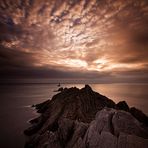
16,99
134,94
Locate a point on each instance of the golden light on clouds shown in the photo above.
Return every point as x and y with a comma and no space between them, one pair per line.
88,35
73,63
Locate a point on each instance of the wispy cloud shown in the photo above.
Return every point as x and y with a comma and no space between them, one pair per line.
93,36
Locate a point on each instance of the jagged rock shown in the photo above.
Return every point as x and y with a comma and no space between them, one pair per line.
78,133
139,115
60,89
124,122
41,107
115,129
82,118
131,141
122,105
73,103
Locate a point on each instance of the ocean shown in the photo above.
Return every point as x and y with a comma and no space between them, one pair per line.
16,101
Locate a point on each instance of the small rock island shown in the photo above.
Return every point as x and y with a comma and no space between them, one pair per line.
82,118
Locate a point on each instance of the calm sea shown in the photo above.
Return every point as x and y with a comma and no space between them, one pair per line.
15,102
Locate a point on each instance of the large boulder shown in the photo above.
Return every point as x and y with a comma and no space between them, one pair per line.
115,129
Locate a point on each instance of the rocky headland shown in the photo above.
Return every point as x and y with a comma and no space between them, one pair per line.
82,118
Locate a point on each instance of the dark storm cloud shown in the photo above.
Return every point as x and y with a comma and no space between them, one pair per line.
95,38
15,59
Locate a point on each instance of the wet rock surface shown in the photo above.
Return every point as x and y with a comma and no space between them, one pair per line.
82,118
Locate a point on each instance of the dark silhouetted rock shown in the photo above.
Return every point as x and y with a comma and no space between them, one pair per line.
122,105
82,118
41,107
60,89
139,115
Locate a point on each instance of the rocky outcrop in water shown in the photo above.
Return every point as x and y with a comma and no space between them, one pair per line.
82,118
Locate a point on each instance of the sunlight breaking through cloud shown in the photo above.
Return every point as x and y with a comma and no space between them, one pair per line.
95,35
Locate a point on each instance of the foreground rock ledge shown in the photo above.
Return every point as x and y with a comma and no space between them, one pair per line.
82,118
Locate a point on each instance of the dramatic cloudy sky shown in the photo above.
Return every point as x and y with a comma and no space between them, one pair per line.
74,39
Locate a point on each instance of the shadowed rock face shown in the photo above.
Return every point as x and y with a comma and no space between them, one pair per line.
115,129
122,105
82,118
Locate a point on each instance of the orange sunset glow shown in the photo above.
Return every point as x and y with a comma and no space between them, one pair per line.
95,37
